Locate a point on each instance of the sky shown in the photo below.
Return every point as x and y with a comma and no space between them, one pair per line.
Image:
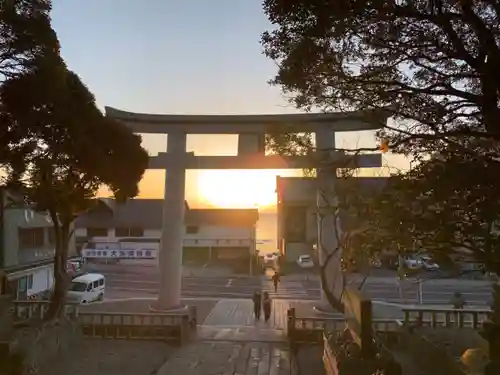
183,57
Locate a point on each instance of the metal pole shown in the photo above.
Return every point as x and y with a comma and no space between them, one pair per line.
419,291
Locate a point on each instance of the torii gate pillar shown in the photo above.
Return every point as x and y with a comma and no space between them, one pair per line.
328,225
170,254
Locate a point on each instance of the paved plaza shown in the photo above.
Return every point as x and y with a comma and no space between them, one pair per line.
231,342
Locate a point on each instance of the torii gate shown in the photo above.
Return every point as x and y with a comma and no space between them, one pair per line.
251,130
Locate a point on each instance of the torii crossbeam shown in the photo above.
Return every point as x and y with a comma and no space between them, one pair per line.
251,130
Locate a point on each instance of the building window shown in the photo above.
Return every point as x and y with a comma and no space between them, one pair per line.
51,235
121,232
129,232
192,229
31,237
136,232
30,281
97,232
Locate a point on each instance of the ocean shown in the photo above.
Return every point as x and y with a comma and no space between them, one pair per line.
267,232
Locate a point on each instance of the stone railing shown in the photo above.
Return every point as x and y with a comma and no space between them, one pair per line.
445,317
23,311
175,327
311,329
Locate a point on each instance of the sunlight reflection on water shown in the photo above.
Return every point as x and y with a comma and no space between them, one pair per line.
267,230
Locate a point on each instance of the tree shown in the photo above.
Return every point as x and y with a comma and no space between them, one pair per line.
340,213
434,67
68,149
25,35
448,205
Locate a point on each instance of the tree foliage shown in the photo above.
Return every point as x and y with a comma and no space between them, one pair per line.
66,151
434,68
25,35
448,205
57,147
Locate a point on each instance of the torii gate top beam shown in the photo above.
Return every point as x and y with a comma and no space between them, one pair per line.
250,124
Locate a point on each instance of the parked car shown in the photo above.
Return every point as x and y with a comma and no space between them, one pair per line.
428,264
271,259
376,262
305,261
87,288
412,263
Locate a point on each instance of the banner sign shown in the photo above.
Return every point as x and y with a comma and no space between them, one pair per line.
120,254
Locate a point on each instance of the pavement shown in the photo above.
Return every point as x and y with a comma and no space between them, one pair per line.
142,282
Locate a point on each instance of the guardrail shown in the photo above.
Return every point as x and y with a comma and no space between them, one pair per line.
175,327
445,317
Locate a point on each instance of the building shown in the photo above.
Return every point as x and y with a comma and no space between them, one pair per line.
297,211
27,247
210,235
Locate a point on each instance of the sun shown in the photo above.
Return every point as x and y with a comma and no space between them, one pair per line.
238,188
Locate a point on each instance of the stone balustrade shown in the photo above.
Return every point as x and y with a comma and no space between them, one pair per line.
446,317
338,324
175,327
311,329
23,311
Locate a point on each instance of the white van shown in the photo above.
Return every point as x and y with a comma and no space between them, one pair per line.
87,288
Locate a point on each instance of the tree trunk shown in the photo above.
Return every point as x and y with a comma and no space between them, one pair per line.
332,300
61,278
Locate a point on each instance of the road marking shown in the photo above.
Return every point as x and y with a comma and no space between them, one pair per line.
229,283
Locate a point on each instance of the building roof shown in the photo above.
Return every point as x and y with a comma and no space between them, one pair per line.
147,214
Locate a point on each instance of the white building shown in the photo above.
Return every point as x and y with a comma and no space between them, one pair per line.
27,247
210,235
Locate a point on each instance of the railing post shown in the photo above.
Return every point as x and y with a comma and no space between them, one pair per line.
475,320
461,315
290,322
420,316
184,329
407,317
447,319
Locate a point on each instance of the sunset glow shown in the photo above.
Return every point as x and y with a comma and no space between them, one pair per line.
238,188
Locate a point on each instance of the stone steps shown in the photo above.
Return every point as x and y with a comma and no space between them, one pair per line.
241,333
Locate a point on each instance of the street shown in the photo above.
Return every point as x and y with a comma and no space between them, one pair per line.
135,281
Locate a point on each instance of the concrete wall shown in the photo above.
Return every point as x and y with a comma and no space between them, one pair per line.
43,279
293,249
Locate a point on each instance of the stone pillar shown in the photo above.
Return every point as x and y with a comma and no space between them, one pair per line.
172,234
326,219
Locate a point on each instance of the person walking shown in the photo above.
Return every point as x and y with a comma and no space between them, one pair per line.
266,306
257,304
276,280
458,301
